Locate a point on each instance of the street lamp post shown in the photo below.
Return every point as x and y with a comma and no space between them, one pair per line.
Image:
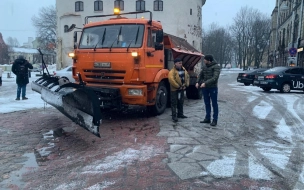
276,39
300,32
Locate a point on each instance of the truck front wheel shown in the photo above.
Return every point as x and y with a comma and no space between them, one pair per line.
161,100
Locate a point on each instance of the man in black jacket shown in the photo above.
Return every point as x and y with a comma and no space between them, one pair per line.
20,69
208,80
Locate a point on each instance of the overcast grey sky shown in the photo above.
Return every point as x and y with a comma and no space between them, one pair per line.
16,14
222,12
16,17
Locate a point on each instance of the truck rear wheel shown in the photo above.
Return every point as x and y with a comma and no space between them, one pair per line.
193,93
161,100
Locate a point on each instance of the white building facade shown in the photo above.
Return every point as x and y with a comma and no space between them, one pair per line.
179,18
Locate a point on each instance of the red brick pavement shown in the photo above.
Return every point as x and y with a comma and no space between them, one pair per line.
77,155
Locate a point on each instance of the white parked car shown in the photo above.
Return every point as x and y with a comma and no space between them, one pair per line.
66,72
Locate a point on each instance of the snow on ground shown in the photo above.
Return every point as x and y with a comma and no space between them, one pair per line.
8,93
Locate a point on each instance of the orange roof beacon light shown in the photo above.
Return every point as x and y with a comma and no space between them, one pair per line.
116,11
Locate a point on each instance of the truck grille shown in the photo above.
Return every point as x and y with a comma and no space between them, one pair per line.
104,76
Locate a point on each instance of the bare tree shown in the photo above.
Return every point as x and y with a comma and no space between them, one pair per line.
12,42
218,42
251,32
45,24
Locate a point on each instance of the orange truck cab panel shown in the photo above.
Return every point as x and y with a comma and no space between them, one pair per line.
125,61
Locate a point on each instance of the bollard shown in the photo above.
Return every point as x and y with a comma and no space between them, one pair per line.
8,75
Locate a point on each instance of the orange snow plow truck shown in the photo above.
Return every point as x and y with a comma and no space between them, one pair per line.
118,62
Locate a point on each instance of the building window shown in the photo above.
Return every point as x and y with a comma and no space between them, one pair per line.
98,5
158,5
66,27
78,6
140,5
190,11
119,4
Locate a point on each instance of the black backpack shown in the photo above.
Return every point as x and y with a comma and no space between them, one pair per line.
22,70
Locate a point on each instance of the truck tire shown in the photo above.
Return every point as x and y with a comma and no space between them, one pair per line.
161,100
285,88
193,93
189,93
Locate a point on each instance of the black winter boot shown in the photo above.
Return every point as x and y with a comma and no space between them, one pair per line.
214,123
174,118
205,121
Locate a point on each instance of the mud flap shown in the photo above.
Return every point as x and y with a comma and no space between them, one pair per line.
77,102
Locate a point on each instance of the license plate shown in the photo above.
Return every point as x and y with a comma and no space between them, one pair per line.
261,77
264,82
102,65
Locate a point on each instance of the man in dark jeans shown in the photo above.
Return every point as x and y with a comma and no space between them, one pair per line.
179,80
20,69
207,80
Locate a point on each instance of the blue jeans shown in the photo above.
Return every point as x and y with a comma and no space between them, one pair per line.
21,89
211,94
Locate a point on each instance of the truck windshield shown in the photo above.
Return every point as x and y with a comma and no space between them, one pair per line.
112,36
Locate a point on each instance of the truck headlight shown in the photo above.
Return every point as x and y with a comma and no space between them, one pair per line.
135,92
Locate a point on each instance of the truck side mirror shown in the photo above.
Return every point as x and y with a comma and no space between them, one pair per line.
75,40
75,36
159,36
158,46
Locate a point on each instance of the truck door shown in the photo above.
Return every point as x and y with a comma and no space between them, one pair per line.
154,59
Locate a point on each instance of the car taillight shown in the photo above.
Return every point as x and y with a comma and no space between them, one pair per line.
54,73
271,76
244,75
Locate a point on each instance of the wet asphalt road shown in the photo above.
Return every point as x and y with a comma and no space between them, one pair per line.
258,144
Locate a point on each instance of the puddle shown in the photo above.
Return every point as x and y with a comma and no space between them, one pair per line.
15,177
42,153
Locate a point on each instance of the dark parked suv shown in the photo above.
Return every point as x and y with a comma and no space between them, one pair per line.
281,78
247,77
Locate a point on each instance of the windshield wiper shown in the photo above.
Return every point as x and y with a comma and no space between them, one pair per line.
136,38
101,39
116,38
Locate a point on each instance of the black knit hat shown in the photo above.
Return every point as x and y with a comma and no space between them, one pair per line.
177,60
209,58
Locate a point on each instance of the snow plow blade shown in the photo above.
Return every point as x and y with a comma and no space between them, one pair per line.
78,102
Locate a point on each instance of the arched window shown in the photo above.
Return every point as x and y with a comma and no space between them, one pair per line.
158,5
78,6
66,27
98,5
119,4
140,5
